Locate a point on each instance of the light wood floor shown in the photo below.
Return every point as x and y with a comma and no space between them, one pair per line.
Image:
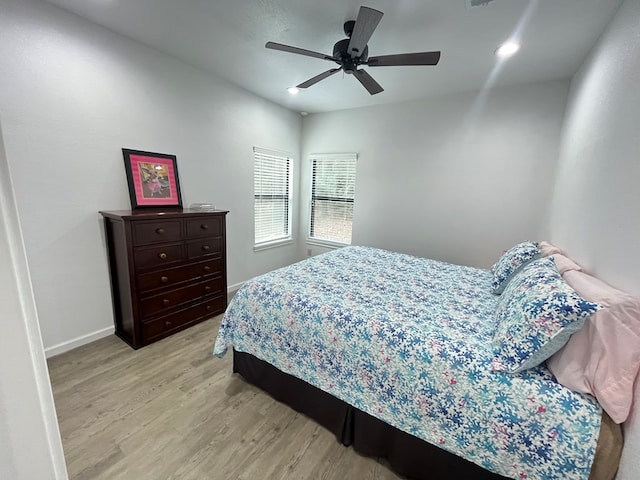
173,411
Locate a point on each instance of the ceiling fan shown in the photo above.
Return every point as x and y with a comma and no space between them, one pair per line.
353,52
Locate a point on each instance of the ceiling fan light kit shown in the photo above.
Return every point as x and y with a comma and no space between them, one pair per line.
353,52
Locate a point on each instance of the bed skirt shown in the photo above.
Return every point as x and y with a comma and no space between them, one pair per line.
408,455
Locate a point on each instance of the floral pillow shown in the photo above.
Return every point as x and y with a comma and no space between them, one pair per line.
510,262
536,315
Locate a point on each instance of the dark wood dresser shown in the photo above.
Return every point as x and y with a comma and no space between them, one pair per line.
168,270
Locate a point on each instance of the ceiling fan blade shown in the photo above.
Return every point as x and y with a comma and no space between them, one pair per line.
368,82
421,58
299,51
317,78
366,23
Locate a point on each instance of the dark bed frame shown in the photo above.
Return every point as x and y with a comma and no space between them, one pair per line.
408,455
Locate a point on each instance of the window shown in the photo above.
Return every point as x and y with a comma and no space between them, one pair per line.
272,197
333,184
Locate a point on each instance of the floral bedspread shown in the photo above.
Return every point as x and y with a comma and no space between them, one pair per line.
408,340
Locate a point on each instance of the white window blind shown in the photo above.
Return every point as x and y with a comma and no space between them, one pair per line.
272,197
333,185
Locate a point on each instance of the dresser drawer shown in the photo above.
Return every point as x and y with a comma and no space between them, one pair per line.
145,233
204,227
149,257
204,246
154,329
173,298
175,275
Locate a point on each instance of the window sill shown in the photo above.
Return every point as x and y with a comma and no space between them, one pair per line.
274,244
326,243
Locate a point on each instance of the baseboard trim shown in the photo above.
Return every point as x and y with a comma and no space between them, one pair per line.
77,342
105,332
232,289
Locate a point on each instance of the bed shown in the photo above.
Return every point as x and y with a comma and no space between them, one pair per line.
394,354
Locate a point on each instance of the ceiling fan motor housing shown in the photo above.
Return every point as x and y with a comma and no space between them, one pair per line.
348,27
349,64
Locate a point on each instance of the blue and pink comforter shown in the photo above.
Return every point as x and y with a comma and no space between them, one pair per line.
408,340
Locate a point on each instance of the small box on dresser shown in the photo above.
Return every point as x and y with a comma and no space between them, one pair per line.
168,270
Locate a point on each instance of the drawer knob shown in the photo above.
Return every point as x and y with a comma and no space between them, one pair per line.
207,268
162,255
165,301
167,324
159,231
207,288
164,279
204,226
209,307
206,247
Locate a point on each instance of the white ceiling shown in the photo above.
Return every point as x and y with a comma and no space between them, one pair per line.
227,37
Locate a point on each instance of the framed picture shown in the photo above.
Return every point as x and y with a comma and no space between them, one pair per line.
153,179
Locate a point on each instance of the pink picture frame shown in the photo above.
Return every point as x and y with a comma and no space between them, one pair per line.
152,179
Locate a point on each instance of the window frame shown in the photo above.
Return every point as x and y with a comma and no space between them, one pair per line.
288,238
311,240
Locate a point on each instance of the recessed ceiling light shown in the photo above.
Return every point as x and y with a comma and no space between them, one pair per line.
507,49
293,90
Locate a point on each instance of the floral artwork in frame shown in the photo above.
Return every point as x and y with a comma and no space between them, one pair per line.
152,179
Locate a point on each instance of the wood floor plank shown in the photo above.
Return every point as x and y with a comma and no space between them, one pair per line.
172,411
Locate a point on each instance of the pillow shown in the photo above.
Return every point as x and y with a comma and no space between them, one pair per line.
565,264
536,315
510,262
603,358
547,249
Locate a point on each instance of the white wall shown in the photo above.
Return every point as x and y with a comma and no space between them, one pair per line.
73,95
597,199
30,446
456,178
595,212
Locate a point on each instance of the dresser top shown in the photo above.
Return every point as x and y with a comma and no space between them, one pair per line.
155,214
